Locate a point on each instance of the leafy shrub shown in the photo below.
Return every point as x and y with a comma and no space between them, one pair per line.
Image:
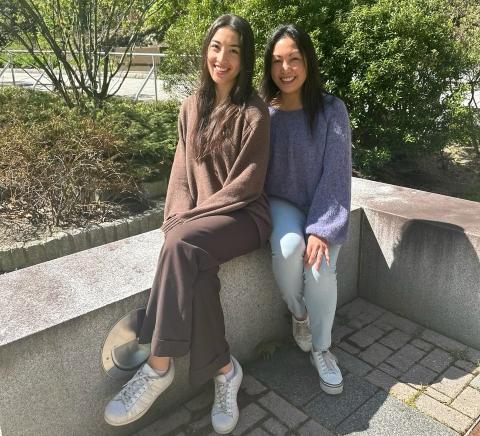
54,160
398,64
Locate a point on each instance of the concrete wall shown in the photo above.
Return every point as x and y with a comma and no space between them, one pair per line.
55,316
419,257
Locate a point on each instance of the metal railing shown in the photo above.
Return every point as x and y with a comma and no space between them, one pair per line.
152,67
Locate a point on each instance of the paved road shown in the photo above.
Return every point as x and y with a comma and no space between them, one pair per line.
129,88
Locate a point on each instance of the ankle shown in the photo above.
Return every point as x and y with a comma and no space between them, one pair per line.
159,364
302,318
228,371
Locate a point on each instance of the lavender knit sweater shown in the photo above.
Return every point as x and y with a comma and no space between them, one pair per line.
313,172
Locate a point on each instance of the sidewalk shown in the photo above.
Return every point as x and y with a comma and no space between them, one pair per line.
129,88
400,379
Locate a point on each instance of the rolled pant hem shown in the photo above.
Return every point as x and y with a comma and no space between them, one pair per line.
201,375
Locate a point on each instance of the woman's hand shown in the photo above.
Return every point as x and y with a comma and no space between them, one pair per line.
317,247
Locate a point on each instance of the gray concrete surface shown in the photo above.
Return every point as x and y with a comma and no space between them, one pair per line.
420,257
55,316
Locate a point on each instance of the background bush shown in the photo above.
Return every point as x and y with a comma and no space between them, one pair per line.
54,161
401,66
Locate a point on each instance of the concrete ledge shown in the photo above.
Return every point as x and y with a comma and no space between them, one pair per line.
419,257
55,316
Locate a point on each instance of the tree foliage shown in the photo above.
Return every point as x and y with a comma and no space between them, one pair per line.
81,35
401,66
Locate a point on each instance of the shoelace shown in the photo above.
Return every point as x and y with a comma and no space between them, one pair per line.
221,398
327,361
301,329
133,387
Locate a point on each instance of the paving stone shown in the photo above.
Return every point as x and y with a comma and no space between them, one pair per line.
202,423
404,358
366,336
437,359
442,341
121,229
473,355
382,325
443,413
375,354
349,348
364,318
391,385
338,333
425,346
133,226
274,427
468,402
330,410
313,428
18,256
389,369
35,252
418,376
258,432
401,323
109,231
475,383
466,366
290,374
283,410
358,306
438,395
95,235
384,415
78,239
249,416
452,381
351,363
395,339
201,401
252,386
167,423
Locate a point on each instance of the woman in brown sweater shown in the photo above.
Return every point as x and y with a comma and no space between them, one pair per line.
215,210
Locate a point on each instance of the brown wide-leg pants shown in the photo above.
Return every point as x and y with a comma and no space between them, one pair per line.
184,311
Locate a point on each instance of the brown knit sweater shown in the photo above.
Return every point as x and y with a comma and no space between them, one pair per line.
226,181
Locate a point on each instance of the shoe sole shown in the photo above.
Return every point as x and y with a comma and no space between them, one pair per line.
137,417
326,387
236,421
331,389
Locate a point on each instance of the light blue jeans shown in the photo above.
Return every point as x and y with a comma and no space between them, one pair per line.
304,289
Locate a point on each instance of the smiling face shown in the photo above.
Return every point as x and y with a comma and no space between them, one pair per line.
223,60
288,68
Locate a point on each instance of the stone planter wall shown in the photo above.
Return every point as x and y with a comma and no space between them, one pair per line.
63,243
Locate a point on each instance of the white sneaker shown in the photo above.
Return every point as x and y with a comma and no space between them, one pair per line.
302,334
331,380
138,395
225,409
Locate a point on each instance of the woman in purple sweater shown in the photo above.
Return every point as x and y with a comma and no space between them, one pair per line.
308,184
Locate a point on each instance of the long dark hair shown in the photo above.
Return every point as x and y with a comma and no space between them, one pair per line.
216,123
312,89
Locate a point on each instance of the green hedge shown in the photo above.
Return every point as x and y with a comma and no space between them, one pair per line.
54,160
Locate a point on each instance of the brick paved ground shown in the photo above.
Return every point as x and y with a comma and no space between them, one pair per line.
400,379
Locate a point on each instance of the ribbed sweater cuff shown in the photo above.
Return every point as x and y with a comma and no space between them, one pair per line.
171,223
